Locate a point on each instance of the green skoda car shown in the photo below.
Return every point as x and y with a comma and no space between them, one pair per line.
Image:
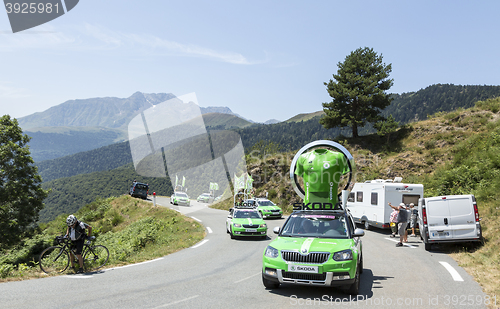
245,222
266,208
315,248
180,198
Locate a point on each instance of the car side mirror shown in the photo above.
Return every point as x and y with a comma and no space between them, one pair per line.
359,233
276,230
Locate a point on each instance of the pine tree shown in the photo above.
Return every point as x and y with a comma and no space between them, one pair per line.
359,91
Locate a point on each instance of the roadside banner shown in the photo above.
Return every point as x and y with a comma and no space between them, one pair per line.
239,182
249,182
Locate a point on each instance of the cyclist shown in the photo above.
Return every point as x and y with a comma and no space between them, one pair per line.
76,232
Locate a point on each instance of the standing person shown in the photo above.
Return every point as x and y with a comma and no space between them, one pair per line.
394,222
413,219
76,232
402,221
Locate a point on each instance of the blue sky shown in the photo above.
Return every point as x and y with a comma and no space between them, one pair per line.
262,59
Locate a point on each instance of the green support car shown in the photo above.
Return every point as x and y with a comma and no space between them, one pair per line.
205,197
266,208
315,248
245,222
180,198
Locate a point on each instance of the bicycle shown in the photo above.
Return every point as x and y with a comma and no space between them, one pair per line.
56,259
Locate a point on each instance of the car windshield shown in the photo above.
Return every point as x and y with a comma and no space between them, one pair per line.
205,195
266,203
246,214
181,195
316,225
141,187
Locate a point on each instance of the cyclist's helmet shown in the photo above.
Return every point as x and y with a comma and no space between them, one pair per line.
71,220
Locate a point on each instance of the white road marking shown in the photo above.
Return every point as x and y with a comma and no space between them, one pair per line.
404,244
454,274
196,219
130,265
78,276
199,244
209,230
248,277
176,302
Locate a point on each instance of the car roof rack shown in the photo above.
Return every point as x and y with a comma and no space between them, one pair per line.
243,207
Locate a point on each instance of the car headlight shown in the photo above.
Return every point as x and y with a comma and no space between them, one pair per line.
237,225
271,252
343,255
263,225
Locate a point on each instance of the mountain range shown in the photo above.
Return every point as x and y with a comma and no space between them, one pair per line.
81,125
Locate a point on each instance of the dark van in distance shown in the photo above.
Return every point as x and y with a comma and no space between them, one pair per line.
139,189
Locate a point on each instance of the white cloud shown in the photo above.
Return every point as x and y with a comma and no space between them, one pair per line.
98,38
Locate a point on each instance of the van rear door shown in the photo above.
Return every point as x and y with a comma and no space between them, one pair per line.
462,216
438,219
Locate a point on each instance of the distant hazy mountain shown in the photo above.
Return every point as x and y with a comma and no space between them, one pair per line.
109,112
272,121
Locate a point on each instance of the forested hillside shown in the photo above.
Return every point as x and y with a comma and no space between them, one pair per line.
414,106
56,142
70,194
101,159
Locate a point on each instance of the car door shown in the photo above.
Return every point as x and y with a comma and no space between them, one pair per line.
462,217
438,219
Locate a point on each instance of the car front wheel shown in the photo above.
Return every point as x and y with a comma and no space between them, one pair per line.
354,288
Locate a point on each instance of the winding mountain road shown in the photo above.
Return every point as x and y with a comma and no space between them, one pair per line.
222,273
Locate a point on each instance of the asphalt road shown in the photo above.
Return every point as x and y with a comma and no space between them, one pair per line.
222,273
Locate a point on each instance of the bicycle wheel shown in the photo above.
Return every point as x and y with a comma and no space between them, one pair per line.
54,260
95,257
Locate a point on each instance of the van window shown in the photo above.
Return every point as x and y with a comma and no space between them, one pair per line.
351,197
141,186
411,198
374,198
359,196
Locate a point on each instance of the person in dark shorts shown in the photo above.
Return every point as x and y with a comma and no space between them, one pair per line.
76,232
402,221
413,219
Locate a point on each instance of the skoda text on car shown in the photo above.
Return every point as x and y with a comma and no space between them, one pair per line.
205,197
315,247
266,207
140,190
245,222
180,198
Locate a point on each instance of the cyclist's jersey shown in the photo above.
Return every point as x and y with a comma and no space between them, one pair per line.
79,230
321,170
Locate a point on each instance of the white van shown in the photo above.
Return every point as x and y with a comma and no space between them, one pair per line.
446,219
368,201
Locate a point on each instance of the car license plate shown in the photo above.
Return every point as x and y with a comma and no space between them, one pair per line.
441,234
250,230
302,268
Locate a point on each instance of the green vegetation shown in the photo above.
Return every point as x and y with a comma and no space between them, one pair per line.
450,153
359,92
131,229
414,106
53,142
386,127
21,193
70,194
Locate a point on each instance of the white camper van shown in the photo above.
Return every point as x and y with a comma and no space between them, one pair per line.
452,218
368,201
